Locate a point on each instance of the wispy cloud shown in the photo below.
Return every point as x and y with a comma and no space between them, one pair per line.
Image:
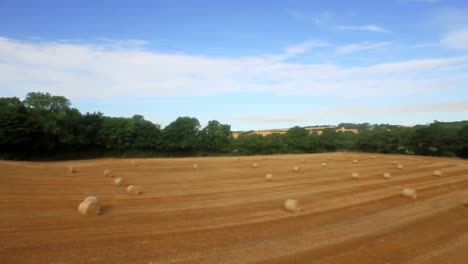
426,45
321,18
356,110
450,18
427,1
103,71
358,47
456,39
372,28
422,1
305,46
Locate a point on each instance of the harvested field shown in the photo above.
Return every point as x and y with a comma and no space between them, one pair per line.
225,211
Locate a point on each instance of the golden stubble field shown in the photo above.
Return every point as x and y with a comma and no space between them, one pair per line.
226,212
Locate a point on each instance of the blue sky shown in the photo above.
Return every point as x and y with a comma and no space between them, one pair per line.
252,64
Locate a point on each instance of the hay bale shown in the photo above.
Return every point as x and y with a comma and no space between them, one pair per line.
394,162
302,160
387,175
373,156
108,173
400,166
292,205
437,173
328,158
72,169
120,182
348,156
91,199
269,177
254,165
296,168
355,175
355,161
408,193
236,159
195,166
323,164
89,208
134,163
134,189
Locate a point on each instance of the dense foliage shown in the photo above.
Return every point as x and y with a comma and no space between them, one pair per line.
47,127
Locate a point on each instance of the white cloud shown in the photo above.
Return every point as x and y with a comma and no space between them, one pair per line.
372,28
357,47
103,71
456,39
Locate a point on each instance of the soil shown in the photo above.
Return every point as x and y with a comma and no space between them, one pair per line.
226,212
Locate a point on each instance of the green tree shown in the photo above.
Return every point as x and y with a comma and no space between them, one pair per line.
327,140
250,143
90,127
296,138
46,101
182,135
17,130
437,139
463,141
147,134
312,143
216,136
274,143
117,133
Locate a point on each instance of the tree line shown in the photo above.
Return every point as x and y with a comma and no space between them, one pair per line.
44,126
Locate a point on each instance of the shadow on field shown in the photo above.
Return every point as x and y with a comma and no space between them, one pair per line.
105,210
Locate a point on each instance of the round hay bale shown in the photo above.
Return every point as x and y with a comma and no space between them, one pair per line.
292,205
355,161
394,162
387,175
120,182
437,173
195,166
269,176
72,169
254,165
134,163
89,208
91,199
296,168
400,166
302,160
236,159
323,164
328,158
355,175
373,156
408,193
348,156
134,189
108,173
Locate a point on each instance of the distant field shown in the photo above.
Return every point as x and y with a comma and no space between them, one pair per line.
225,211
318,130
